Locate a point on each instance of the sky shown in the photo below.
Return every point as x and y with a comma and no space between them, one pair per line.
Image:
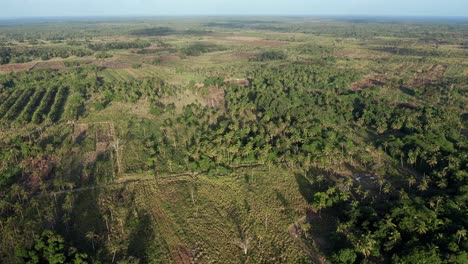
64,8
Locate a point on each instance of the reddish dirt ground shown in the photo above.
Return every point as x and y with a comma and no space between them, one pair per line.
182,256
264,43
369,81
16,67
429,76
215,97
112,64
55,65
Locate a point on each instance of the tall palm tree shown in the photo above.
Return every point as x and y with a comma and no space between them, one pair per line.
411,180
461,234
91,236
366,245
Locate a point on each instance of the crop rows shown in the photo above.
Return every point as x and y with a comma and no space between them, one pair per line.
4,97
25,116
33,105
44,107
18,105
59,103
5,106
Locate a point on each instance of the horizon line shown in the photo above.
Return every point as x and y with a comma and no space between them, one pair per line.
235,15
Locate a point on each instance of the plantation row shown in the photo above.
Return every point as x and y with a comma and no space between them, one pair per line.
33,104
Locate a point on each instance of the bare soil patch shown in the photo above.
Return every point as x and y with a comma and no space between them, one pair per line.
244,54
264,43
55,65
112,64
182,256
16,67
253,41
360,54
369,81
215,97
429,75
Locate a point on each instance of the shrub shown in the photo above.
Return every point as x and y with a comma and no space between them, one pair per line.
270,55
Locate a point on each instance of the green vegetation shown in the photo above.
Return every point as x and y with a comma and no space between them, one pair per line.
270,55
23,54
197,49
156,31
233,141
119,45
50,248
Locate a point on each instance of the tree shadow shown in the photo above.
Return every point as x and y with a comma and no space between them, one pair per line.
322,230
407,91
284,202
306,187
87,226
141,238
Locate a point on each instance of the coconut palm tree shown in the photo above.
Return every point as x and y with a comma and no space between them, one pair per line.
461,234
411,180
93,237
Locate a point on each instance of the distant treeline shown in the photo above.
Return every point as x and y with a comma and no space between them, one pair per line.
138,44
155,31
197,49
164,31
25,54
270,55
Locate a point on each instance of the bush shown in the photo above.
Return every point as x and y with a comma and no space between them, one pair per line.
270,55
45,57
119,45
71,63
214,81
157,61
103,55
156,31
50,248
198,49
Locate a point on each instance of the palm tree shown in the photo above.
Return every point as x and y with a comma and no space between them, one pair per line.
434,202
366,245
91,236
411,180
424,185
432,161
421,227
461,234
18,208
35,203
381,182
244,244
114,250
320,179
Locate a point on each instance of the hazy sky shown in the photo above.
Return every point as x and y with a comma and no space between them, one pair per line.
37,8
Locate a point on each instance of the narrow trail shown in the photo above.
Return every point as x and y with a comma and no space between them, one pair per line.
293,231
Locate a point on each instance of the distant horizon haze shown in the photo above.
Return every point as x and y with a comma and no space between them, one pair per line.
158,8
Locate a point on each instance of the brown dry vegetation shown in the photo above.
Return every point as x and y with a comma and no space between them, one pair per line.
253,41
429,75
369,81
16,67
215,97
360,54
55,65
